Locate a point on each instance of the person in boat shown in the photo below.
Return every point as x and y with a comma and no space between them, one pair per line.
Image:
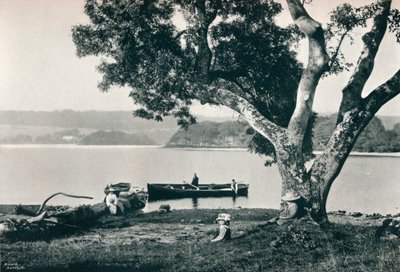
223,221
113,203
292,208
195,180
234,186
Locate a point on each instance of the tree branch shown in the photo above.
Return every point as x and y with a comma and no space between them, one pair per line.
328,165
214,7
224,94
180,33
334,56
317,65
249,92
351,94
227,75
259,123
204,55
385,92
231,76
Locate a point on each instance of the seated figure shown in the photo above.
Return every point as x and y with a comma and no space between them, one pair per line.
223,221
292,208
112,202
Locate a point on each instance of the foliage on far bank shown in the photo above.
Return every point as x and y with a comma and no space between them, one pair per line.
375,138
211,134
115,138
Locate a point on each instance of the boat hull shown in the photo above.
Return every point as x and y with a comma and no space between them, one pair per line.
158,191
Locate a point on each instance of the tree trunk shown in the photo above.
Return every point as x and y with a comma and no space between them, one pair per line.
292,171
355,112
296,179
314,197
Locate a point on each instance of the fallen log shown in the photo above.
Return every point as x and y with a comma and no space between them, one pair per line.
22,210
83,217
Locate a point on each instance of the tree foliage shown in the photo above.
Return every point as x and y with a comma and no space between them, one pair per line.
145,48
344,20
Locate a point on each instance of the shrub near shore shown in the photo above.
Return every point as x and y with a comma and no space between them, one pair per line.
180,241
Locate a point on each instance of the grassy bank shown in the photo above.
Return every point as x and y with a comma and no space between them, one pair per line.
180,241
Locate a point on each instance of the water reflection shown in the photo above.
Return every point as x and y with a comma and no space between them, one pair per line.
234,201
199,203
195,202
227,204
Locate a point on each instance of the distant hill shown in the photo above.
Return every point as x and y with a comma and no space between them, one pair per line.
115,138
104,120
375,137
31,123
74,136
390,121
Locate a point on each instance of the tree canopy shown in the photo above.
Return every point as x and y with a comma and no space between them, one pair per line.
147,49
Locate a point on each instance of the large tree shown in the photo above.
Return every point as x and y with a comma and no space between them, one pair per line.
232,53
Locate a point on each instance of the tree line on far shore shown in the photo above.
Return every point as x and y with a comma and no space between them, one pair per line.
230,134
375,138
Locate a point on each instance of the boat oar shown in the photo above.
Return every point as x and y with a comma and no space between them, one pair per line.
197,188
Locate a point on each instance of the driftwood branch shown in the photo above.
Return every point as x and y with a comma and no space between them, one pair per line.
60,193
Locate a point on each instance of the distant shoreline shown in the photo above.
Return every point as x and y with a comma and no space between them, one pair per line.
60,146
369,154
233,149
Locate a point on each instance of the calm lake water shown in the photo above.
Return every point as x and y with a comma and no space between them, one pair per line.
29,174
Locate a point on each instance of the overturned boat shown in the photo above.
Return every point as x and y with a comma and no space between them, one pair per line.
158,191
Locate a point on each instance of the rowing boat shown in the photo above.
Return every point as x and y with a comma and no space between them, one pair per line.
183,190
118,187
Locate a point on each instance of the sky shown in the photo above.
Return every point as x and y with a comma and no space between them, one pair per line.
40,71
